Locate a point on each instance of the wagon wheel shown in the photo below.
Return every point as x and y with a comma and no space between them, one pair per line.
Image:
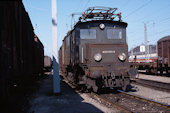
154,71
148,70
167,71
161,71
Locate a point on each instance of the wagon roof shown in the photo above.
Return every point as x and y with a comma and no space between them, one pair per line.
164,38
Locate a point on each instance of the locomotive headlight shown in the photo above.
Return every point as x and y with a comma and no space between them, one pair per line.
97,57
122,57
102,26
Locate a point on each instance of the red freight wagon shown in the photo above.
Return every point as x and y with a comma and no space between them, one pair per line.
164,54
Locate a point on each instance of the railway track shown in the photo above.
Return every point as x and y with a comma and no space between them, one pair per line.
109,103
166,106
103,100
135,103
127,103
153,84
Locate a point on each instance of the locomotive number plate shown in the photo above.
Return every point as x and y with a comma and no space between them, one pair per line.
110,51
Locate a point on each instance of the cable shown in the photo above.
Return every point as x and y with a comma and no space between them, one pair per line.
160,32
158,10
164,20
86,4
125,4
138,8
79,5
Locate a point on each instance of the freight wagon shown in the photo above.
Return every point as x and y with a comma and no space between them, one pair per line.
47,63
159,64
21,52
164,54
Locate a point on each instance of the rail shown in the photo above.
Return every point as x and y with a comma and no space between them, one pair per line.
114,105
146,99
96,96
153,84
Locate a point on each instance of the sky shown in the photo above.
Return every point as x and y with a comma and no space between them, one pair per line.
154,13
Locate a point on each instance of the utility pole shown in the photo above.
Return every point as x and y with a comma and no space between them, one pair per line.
56,78
146,43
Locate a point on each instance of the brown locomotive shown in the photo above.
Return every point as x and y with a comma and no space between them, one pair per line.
94,53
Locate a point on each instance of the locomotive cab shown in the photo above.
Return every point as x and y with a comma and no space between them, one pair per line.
113,34
103,52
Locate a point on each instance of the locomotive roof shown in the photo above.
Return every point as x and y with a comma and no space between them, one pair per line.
124,24
99,14
164,38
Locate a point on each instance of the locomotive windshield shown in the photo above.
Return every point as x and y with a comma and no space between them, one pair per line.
114,33
110,33
87,33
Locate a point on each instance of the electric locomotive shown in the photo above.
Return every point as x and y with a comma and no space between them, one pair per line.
94,53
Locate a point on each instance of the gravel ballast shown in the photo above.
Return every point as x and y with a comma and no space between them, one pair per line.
155,78
156,95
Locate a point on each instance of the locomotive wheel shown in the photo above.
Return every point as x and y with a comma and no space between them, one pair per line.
126,87
84,89
95,88
91,85
167,71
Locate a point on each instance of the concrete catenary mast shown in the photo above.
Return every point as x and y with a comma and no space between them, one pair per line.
56,78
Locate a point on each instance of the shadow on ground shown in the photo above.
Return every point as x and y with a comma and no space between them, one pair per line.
68,102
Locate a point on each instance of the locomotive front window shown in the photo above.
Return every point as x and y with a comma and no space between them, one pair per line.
87,33
114,33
